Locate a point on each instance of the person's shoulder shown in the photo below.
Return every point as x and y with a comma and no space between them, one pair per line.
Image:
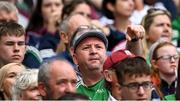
170,97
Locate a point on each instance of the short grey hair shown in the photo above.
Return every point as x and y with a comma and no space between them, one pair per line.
8,6
43,75
23,81
64,25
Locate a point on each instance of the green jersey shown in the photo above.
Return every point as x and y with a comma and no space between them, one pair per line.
170,97
94,92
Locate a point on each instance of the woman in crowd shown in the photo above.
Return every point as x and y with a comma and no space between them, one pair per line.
7,79
164,60
42,31
157,24
26,86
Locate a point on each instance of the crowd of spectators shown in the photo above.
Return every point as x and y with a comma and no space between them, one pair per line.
89,50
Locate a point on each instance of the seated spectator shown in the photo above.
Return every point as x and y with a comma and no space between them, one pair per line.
157,24
12,43
88,47
26,86
42,31
8,74
8,13
164,60
134,77
56,78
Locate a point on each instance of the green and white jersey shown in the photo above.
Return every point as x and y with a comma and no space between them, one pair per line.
94,92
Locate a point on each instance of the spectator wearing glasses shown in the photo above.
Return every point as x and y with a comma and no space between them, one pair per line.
134,78
164,60
157,24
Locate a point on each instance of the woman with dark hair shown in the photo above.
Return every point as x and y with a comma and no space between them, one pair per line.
82,7
42,31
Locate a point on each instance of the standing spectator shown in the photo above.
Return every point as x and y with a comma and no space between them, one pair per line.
12,43
8,74
26,86
56,78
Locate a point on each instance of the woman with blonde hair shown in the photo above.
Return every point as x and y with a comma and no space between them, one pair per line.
157,24
26,86
7,78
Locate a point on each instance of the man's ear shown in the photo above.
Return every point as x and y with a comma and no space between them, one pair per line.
64,37
74,56
42,89
107,75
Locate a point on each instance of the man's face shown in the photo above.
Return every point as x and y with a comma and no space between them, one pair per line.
62,80
90,55
133,90
12,49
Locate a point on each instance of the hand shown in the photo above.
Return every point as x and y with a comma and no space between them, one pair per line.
135,32
54,17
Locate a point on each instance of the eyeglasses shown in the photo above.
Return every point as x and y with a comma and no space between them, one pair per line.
169,57
134,87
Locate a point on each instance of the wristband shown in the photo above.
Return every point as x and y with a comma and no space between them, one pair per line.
134,39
